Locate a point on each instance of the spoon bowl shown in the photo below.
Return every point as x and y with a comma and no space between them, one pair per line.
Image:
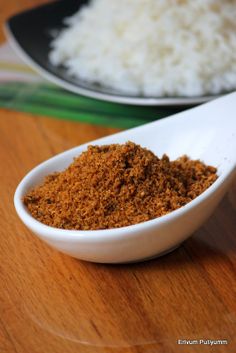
207,132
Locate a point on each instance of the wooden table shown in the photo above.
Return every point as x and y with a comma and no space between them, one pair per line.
51,303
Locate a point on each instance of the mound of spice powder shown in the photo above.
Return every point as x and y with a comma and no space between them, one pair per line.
117,185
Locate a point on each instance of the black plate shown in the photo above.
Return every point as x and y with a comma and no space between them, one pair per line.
30,34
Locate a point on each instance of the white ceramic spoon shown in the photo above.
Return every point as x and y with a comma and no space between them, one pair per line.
207,132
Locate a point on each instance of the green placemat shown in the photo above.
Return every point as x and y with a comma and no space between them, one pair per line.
50,100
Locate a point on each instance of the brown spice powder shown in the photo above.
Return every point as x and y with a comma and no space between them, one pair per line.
117,185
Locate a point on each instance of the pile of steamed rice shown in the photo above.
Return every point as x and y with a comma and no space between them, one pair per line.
152,47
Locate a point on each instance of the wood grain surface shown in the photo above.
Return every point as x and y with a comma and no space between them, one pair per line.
51,303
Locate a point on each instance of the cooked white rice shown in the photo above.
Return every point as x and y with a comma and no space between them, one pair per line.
152,47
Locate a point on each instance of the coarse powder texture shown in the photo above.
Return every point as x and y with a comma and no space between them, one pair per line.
117,185
152,47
